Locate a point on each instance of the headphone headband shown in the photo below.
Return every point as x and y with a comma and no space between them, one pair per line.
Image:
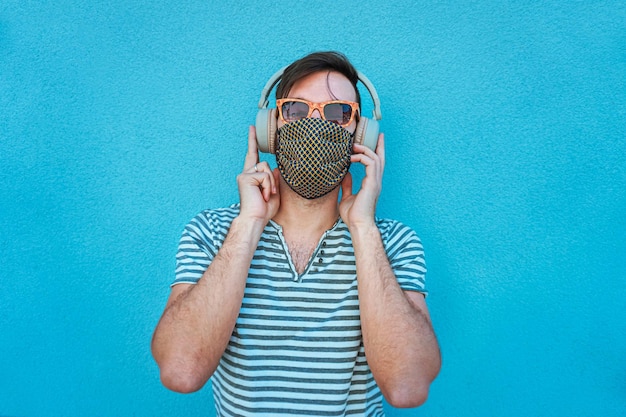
265,94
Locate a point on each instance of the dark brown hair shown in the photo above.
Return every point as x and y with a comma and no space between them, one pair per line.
315,62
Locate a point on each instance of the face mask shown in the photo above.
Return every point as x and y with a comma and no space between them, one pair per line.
313,155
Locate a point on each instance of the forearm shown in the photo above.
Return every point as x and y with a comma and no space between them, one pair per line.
198,321
400,344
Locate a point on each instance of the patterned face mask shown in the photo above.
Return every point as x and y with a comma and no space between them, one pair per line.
313,156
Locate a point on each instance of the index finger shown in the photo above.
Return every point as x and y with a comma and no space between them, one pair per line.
252,157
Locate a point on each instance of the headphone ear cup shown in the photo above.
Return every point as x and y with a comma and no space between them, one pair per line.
266,130
366,133
360,130
370,136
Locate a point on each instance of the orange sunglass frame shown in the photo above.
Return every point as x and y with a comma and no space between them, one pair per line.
319,107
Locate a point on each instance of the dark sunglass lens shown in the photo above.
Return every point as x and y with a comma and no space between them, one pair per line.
294,110
338,113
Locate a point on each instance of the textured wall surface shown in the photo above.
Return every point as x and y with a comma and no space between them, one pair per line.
506,151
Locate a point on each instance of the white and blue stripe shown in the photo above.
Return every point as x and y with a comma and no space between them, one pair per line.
297,347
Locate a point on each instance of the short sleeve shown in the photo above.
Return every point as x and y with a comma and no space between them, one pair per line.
406,255
199,243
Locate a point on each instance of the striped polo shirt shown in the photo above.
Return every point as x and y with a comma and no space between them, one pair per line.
297,348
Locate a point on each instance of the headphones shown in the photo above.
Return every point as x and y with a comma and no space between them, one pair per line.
366,132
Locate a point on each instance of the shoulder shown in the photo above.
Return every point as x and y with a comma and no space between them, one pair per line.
393,229
211,224
215,216
399,239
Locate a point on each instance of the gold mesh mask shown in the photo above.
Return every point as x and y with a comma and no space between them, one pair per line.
313,155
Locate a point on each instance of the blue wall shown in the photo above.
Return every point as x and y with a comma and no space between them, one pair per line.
506,133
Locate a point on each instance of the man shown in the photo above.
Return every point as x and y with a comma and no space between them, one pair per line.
296,301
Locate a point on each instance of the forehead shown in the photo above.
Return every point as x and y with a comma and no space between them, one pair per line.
323,86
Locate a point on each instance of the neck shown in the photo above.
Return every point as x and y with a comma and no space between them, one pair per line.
307,216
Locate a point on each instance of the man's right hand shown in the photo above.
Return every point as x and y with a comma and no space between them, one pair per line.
258,185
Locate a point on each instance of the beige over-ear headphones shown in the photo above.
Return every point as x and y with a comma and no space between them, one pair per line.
366,132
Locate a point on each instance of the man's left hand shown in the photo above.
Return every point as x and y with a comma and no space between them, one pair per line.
360,209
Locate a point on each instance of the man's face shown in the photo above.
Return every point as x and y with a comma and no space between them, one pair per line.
323,86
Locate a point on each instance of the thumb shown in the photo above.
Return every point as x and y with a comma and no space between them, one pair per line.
346,186
276,174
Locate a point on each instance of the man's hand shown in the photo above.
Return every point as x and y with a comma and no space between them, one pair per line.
360,209
402,350
258,185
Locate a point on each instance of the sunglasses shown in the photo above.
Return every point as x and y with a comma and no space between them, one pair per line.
337,111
